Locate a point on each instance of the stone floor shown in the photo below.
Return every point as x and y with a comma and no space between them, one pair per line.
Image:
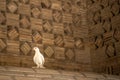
18,73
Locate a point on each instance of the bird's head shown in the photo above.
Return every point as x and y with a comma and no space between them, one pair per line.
36,48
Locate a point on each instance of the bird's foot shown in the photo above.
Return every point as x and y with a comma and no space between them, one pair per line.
42,67
35,67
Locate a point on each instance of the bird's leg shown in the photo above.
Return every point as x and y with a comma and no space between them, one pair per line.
41,66
34,67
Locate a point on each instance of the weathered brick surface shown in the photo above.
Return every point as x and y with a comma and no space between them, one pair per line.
48,74
2,77
104,20
50,23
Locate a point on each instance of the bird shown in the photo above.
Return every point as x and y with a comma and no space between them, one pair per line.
38,58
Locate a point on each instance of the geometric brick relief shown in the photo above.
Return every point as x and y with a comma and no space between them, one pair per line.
110,50
49,51
67,6
25,23
12,7
117,34
57,16
115,21
2,45
79,43
68,29
25,48
13,33
108,37
45,3
70,54
99,41
36,12
96,17
47,26
104,3
59,40
77,20
106,13
37,37
115,8
107,25
81,4
2,18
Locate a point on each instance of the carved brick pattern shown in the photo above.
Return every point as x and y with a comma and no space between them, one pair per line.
2,45
57,16
37,37
77,20
59,41
36,12
25,48
67,6
2,18
70,54
47,26
117,34
12,6
45,3
13,33
104,22
25,22
110,51
108,37
107,25
49,51
99,41
79,43
115,8
68,29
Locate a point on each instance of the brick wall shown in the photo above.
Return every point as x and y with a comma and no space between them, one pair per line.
57,27
104,34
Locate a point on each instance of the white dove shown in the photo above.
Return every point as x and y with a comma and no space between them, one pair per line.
38,58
